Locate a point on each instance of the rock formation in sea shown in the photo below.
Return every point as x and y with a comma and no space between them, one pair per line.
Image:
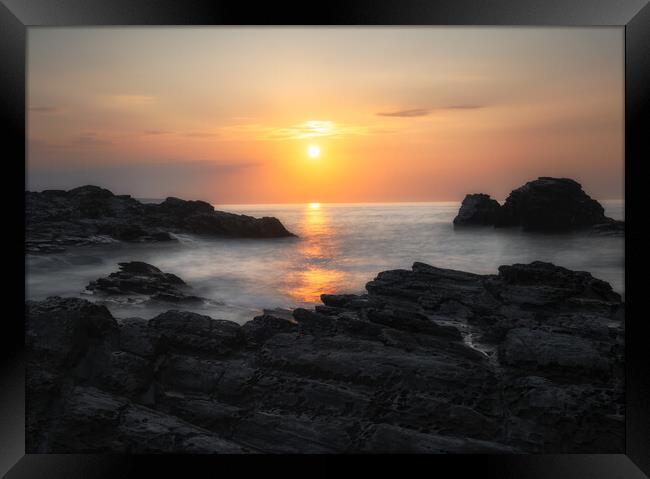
56,219
136,278
545,204
429,360
478,209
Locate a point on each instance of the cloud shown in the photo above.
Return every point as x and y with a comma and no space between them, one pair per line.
157,132
90,138
415,112
313,129
45,109
201,134
406,113
463,107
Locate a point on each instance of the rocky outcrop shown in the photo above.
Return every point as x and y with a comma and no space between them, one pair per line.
86,215
478,209
428,361
545,204
136,278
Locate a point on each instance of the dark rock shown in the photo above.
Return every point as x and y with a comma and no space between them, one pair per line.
551,204
95,422
478,209
91,215
264,327
534,350
539,274
384,438
61,331
545,205
138,278
138,338
185,331
430,360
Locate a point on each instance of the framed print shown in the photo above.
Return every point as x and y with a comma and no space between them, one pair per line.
394,233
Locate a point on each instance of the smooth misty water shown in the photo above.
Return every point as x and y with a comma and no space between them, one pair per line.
340,248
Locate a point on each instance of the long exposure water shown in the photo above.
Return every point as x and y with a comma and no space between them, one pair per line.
339,249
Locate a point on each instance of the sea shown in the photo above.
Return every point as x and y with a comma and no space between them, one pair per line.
339,248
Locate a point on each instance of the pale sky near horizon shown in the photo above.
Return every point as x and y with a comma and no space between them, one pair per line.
398,114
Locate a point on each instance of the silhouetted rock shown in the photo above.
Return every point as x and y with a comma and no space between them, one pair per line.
551,204
430,360
546,205
89,215
478,209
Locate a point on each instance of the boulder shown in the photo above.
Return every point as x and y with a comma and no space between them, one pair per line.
478,209
551,204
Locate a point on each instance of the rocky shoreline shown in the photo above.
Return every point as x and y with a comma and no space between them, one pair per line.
88,215
543,205
429,360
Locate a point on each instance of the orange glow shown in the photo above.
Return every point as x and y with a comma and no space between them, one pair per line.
319,276
315,281
384,114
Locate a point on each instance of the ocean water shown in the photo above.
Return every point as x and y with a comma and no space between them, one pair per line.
339,249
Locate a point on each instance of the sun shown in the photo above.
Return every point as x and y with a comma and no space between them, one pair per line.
313,151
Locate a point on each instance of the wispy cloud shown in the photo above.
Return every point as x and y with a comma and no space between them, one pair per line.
201,134
415,112
463,107
45,109
406,113
301,131
157,132
90,138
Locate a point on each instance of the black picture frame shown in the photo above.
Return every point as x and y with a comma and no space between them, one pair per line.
18,15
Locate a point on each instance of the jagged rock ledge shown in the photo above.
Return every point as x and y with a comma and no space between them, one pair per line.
428,361
57,219
144,283
545,204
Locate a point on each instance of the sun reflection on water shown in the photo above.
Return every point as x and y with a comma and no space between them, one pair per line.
317,249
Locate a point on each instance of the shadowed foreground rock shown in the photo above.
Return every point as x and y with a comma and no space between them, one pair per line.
428,361
545,204
89,214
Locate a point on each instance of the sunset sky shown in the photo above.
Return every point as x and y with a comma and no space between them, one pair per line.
229,115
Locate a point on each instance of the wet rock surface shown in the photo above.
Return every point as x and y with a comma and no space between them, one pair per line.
57,219
544,205
428,361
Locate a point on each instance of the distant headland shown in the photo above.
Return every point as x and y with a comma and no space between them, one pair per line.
57,219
